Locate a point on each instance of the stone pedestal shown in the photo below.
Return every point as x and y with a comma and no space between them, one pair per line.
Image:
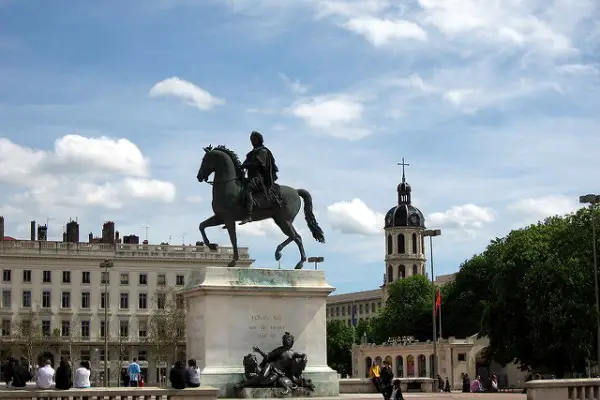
230,310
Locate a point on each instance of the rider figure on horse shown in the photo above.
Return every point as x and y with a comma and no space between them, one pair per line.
261,177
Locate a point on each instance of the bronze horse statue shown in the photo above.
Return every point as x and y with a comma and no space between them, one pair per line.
228,207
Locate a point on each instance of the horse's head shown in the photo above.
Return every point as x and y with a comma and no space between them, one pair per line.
221,158
207,166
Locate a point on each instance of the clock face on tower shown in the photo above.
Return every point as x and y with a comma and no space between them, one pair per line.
413,219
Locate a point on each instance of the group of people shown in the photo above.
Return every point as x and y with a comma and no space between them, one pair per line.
383,379
477,385
18,372
182,377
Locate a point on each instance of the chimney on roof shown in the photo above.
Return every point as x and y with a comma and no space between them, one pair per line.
91,237
32,231
1,228
108,232
117,239
42,232
72,235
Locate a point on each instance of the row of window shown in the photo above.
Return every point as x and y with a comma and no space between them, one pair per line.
84,328
401,244
86,300
401,272
86,277
362,308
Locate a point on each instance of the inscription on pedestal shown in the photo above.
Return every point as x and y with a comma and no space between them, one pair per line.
266,327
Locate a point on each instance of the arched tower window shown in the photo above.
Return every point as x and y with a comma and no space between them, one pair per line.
401,272
401,244
423,244
415,270
390,277
390,244
414,243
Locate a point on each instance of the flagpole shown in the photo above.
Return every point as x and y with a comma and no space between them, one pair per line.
440,318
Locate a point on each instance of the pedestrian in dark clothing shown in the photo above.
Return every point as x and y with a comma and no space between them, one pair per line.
397,391
64,376
21,374
178,376
447,388
7,369
386,377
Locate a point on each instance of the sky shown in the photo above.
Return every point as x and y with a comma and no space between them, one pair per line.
105,108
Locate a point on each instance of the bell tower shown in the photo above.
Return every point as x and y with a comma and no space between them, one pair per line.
404,243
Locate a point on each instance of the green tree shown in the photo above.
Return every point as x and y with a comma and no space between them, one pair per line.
407,311
339,346
539,309
166,326
363,326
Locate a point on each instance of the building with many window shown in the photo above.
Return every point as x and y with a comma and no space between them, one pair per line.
62,286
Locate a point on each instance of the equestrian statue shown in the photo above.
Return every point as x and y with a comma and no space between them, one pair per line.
253,197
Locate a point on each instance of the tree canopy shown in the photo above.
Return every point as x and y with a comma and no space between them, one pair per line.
339,346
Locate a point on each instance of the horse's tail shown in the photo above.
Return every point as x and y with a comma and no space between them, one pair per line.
311,221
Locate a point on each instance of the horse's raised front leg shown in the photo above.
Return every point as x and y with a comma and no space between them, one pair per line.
281,246
230,225
207,223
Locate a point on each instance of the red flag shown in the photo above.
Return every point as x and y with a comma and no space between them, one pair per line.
438,302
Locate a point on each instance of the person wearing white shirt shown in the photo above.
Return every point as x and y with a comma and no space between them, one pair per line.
82,376
44,377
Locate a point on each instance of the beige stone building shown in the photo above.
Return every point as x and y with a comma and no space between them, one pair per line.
63,284
410,358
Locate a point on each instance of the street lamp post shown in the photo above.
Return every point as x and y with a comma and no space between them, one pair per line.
316,260
106,264
431,233
592,200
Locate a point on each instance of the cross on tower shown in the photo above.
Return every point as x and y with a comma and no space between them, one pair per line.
403,165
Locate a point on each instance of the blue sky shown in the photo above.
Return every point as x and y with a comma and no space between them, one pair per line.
105,108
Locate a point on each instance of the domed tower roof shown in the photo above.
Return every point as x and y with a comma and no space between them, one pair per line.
404,214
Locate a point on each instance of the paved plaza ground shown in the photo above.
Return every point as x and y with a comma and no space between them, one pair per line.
453,396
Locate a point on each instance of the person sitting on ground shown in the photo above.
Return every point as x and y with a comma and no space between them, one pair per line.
44,377
177,376
20,374
386,377
193,374
82,376
494,384
397,391
476,385
64,380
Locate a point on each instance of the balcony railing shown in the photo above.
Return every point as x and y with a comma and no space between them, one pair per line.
104,250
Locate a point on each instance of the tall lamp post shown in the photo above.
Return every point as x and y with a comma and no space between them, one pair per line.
431,233
316,260
592,200
106,264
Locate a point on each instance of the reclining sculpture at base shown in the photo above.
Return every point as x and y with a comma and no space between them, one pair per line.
281,367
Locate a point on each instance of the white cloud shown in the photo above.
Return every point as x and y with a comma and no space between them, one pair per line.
355,217
261,228
82,171
115,195
111,155
338,115
186,91
579,69
382,31
536,209
466,217
194,199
